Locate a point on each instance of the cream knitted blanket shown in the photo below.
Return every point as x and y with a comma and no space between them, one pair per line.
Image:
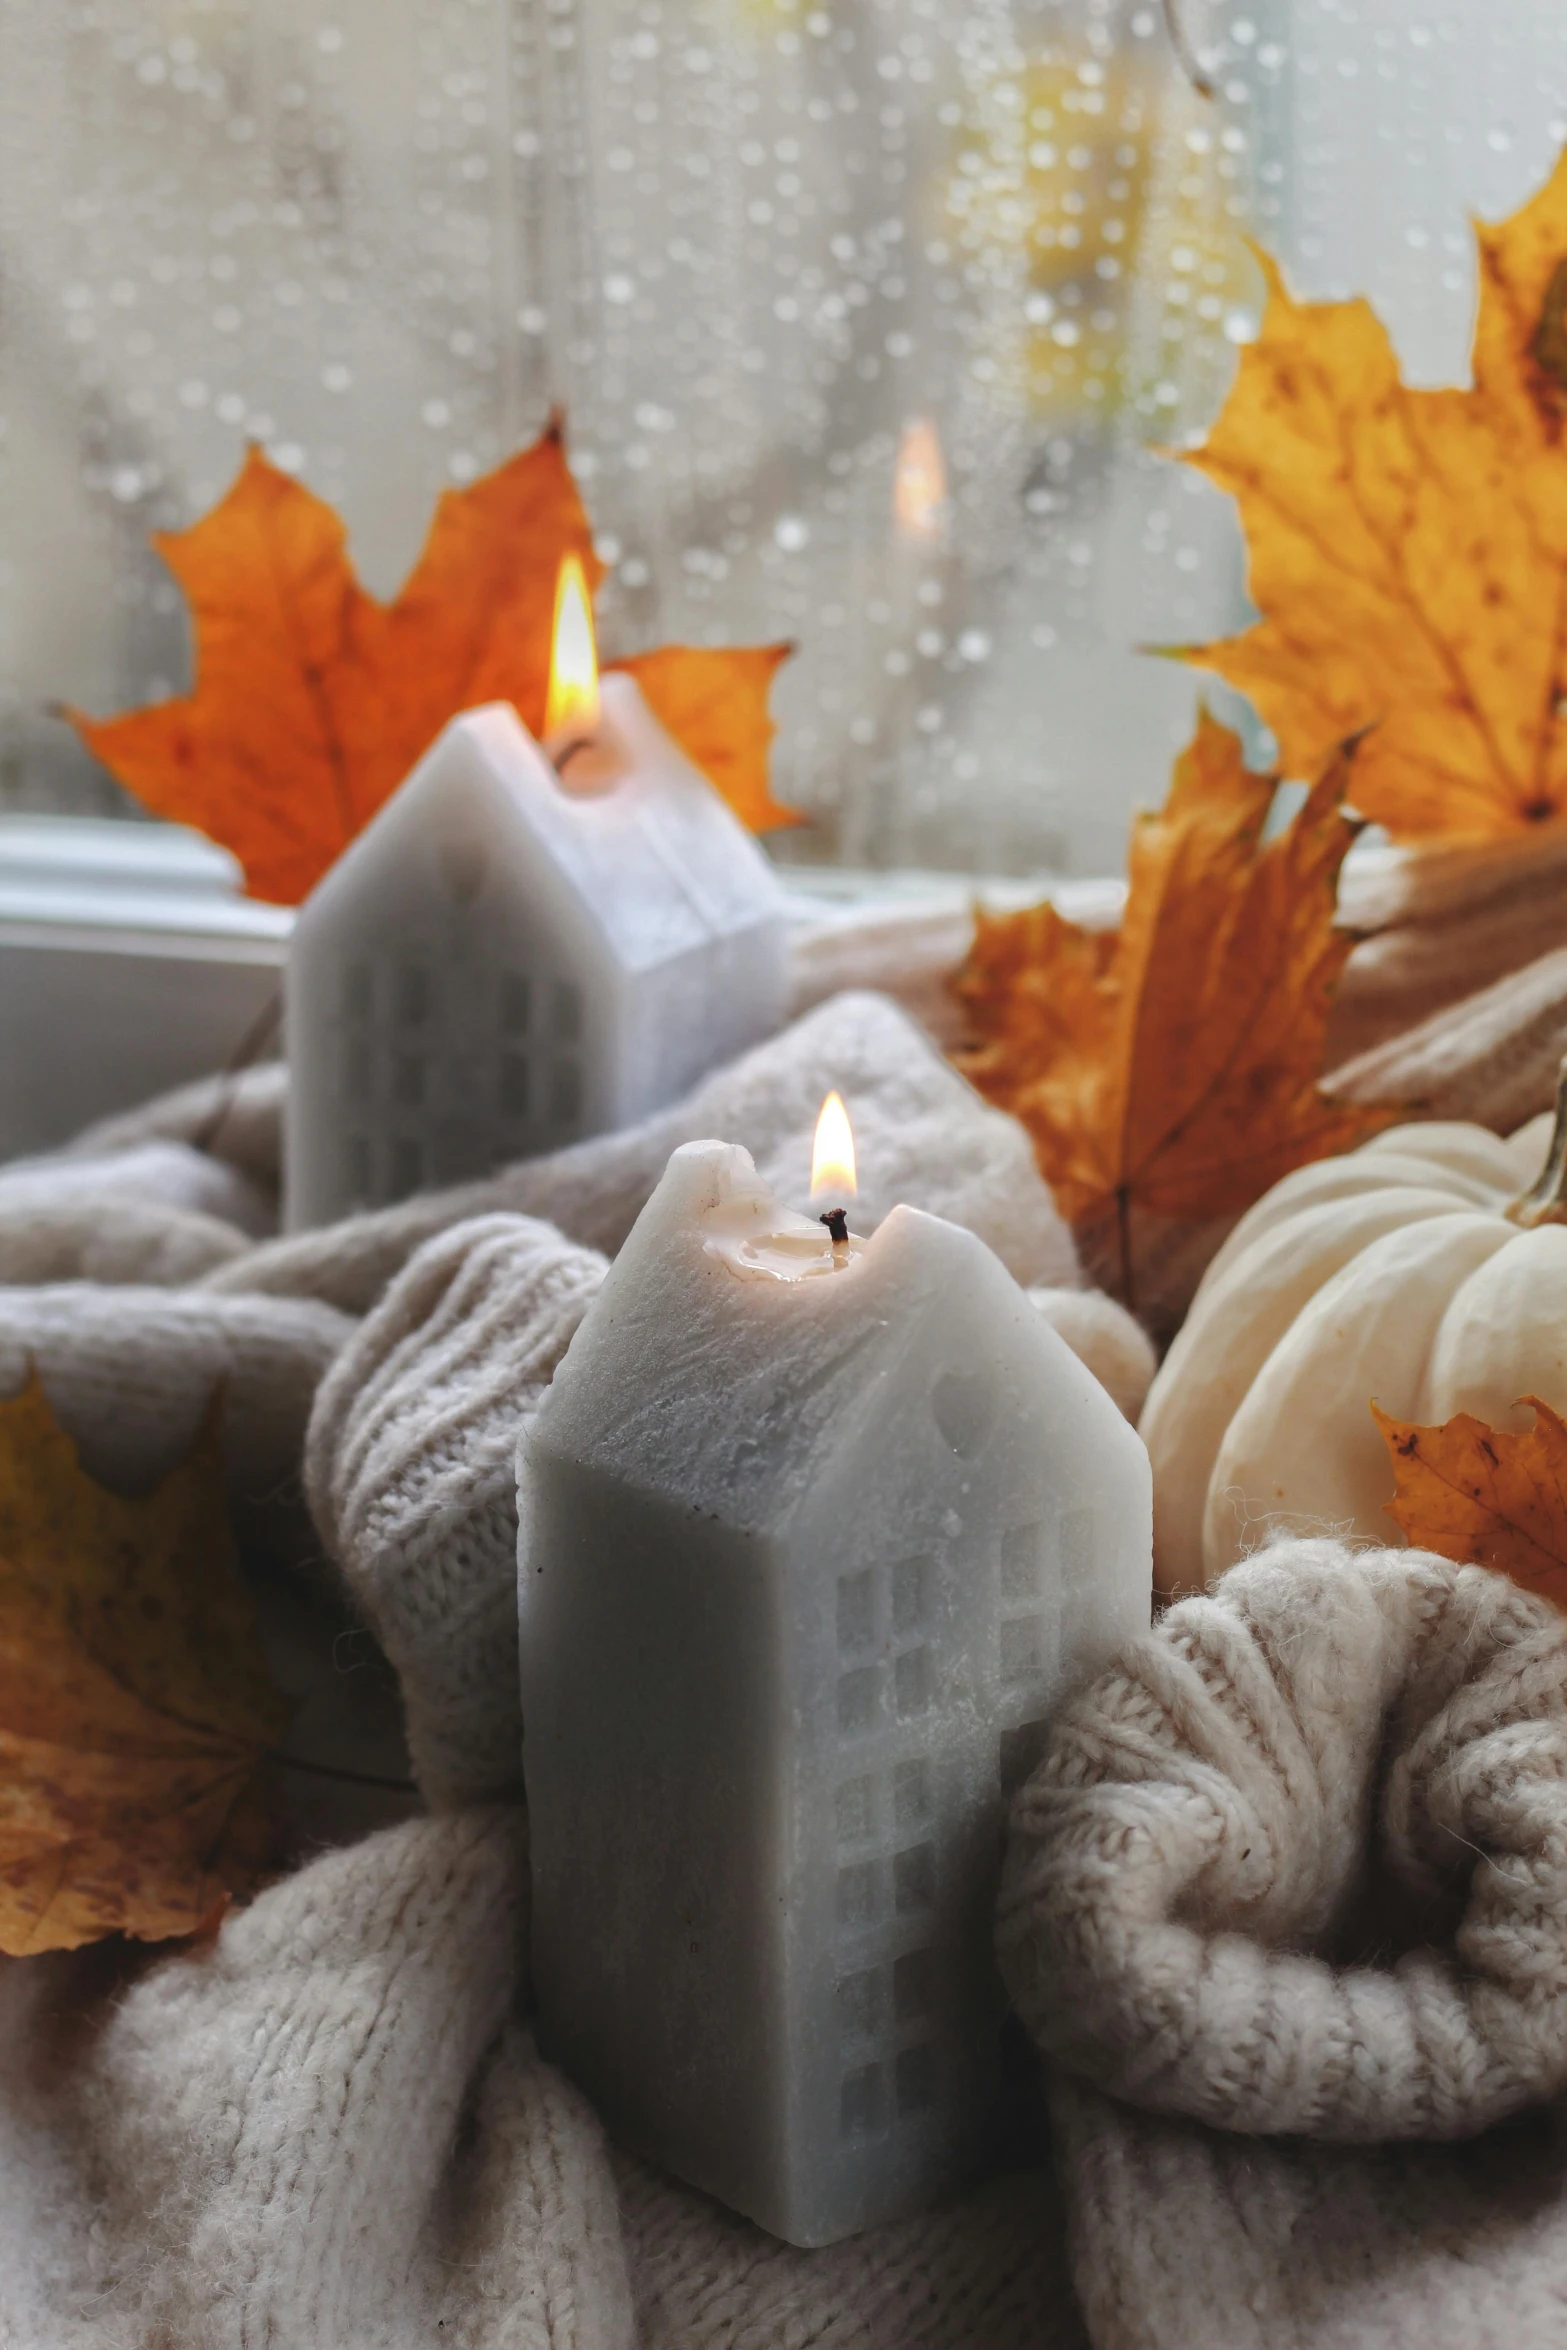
1287,1904
1243,1898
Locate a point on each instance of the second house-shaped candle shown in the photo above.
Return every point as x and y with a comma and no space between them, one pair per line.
813,1537
513,955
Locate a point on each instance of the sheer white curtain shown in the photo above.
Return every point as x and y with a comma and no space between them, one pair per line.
755,247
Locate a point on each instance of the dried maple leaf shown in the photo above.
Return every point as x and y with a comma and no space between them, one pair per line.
714,703
1169,1070
134,1706
1482,1495
1408,549
313,700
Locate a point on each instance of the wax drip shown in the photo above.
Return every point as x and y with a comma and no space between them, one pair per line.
837,1223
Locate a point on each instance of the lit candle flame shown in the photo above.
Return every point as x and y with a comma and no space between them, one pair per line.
919,482
832,1158
571,713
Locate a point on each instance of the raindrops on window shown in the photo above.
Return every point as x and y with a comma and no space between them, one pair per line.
869,318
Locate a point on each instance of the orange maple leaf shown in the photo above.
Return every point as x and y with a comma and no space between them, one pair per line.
313,699
134,1703
1170,1069
1484,1496
1408,549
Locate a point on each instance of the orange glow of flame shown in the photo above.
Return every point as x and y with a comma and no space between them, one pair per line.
832,1158
571,713
919,482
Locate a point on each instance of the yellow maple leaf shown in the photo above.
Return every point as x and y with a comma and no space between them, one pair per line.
1408,549
1170,1070
1485,1496
313,700
134,1704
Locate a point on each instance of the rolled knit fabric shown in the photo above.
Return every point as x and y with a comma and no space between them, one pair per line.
1102,1334
923,1136
985,2271
132,1372
409,1471
155,1211
234,1118
1331,1749
169,1174
104,1237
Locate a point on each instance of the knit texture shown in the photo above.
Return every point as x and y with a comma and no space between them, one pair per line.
1294,1873
986,2271
323,2131
236,1120
1103,1335
410,1475
133,1372
923,1136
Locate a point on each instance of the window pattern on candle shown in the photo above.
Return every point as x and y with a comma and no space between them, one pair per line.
1021,1631
1028,1631
411,994
408,1034
887,1876
566,1095
516,1003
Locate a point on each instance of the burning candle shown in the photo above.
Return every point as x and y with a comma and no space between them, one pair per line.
815,1532
522,948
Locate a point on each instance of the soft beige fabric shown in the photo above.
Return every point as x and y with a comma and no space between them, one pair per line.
923,1136
1295,1873
1103,1335
986,2271
236,1119
908,953
165,1173
102,1237
155,1211
132,1373
323,2134
411,1479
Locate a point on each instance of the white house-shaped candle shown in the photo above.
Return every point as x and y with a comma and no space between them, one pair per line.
510,957
813,1538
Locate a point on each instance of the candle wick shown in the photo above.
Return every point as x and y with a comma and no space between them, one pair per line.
837,1223
568,751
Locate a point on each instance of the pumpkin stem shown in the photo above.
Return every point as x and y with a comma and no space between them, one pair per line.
1545,1201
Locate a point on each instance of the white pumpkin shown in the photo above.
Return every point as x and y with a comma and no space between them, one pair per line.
1396,1274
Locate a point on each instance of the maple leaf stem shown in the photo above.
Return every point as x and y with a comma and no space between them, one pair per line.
248,1050
1123,1225
297,1762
